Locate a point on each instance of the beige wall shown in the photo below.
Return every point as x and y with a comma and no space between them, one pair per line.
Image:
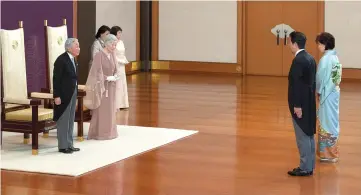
123,14
207,31
343,20
203,31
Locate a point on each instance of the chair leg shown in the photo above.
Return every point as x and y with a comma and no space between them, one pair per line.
26,138
80,131
46,134
81,120
35,130
34,143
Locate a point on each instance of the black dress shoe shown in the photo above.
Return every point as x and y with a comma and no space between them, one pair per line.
74,149
299,169
299,172
66,151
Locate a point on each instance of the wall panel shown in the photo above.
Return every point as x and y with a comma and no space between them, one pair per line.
85,32
198,31
123,14
343,20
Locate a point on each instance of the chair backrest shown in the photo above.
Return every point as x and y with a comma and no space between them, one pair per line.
55,39
13,66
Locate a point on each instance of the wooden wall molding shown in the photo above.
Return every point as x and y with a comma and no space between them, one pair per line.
351,73
138,30
155,31
242,4
321,20
75,18
85,30
240,66
196,66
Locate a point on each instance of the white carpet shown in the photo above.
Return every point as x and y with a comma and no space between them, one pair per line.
93,154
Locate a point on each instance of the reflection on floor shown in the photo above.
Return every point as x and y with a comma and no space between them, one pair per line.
245,145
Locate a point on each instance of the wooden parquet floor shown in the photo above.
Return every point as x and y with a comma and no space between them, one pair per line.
245,146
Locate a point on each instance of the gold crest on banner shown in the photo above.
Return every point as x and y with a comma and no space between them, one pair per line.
15,44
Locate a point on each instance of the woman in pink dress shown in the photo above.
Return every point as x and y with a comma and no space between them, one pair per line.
101,92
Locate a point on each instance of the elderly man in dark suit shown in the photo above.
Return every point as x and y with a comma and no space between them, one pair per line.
302,103
65,95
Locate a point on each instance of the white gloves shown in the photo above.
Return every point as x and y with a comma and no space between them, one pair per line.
111,78
123,61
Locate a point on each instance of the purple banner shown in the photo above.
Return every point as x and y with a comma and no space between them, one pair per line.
33,14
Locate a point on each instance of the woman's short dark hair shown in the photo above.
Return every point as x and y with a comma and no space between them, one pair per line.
114,30
102,30
326,39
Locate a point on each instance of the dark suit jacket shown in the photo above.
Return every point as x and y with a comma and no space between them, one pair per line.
64,82
301,91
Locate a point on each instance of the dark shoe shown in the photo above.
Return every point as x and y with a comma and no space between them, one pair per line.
298,172
299,169
66,151
74,149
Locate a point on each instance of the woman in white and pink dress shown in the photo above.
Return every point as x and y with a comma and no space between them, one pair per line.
122,101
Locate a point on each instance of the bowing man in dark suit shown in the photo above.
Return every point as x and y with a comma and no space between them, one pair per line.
302,103
65,88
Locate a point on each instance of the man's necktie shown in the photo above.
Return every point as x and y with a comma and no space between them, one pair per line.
72,59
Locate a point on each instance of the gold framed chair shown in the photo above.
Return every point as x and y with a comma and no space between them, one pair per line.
23,114
55,38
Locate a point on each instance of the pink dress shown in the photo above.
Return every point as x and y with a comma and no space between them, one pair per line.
101,97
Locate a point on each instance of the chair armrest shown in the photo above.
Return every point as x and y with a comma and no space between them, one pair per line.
45,90
81,87
81,93
35,102
37,95
16,101
14,107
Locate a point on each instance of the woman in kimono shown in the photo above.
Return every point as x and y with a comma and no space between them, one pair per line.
98,43
100,92
122,89
328,78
